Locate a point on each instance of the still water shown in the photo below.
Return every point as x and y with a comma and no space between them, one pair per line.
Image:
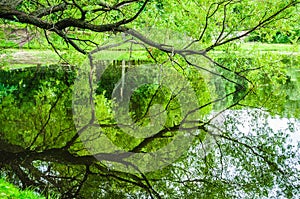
269,122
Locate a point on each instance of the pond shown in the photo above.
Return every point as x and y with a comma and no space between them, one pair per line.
37,120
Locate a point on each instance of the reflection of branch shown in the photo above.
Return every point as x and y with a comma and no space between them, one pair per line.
64,157
212,72
38,175
271,164
151,189
42,130
225,68
221,155
148,140
133,179
26,181
148,106
232,105
208,104
84,179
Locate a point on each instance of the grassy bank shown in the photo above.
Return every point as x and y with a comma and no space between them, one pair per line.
9,191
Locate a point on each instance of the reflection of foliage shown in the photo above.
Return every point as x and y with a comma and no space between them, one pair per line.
6,90
111,76
108,80
272,84
40,107
255,142
40,141
25,81
148,95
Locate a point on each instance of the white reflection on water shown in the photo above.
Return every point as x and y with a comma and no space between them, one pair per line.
256,123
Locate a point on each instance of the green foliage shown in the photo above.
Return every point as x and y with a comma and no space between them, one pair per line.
291,36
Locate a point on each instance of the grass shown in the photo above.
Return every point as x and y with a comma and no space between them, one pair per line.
9,191
253,49
270,47
19,58
14,58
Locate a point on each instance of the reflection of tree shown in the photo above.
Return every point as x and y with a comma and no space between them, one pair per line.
52,158
255,142
40,145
